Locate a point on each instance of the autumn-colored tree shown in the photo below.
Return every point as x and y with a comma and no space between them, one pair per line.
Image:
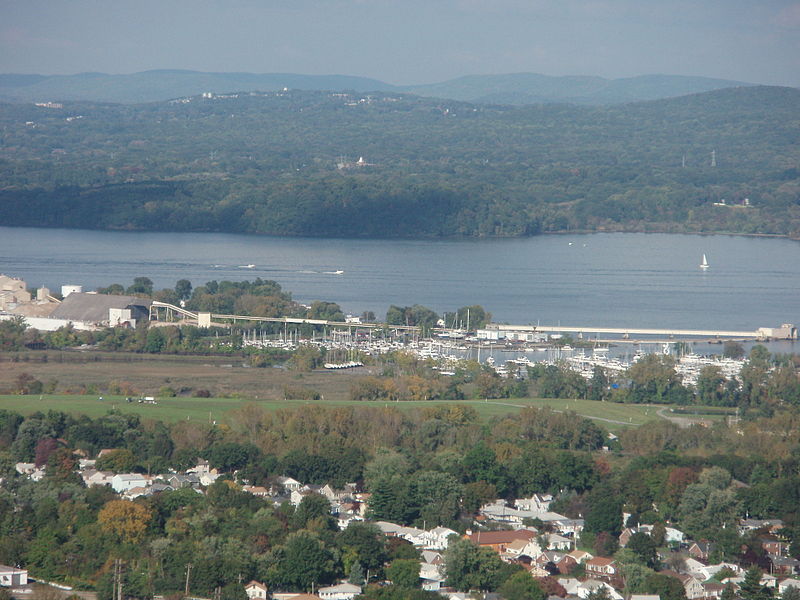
125,519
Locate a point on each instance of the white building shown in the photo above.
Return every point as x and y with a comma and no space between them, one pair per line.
343,591
122,482
256,590
13,576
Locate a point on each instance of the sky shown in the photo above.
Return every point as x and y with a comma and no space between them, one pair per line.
407,41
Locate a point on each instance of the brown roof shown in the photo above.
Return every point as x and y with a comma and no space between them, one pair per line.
490,538
600,561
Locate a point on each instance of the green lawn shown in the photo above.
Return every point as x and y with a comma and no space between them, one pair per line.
611,416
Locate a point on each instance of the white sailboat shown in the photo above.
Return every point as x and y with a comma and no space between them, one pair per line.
704,264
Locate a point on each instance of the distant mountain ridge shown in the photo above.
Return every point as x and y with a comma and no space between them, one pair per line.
514,88
532,88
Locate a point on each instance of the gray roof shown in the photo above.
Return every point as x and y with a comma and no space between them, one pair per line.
93,308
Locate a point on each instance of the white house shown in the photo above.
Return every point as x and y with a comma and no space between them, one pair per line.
437,538
536,503
431,577
289,484
593,585
13,576
342,591
256,590
92,477
122,482
788,583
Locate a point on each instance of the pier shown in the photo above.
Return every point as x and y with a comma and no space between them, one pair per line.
786,331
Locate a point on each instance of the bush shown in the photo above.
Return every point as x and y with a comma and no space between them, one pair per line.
299,392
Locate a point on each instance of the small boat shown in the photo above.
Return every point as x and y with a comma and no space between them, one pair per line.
704,264
247,266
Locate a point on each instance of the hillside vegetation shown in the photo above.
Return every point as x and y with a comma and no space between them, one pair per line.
267,163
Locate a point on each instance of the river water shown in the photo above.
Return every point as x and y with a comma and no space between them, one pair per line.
612,280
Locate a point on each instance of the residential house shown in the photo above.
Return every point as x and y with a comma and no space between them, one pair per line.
712,589
788,583
432,558
288,484
695,567
585,588
200,468
691,585
767,580
410,534
30,470
13,576
550,560
256,590
86,463
558,542
92,477
601,568
431,576
122,482
256,490
709,571
766,525
437,538
784,565
206,479
580,556
773,547
179,480
516,551
342,591
135,492
701,550
536,503
498,540
568,527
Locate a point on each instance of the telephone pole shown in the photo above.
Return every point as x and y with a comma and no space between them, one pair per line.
116,592
188,571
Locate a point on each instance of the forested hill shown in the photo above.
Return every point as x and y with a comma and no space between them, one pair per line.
512,88
286,163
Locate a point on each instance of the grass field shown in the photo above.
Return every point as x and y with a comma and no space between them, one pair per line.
77,374
612,416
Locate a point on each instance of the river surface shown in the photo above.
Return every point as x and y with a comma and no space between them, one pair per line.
612,280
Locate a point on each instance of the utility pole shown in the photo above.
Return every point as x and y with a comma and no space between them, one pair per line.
188,571
116,592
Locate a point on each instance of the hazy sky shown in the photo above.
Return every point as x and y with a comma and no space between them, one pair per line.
407,41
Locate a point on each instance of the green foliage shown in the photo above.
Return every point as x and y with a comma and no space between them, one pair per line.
117,461
605,514
404,572
645,549
521,586
191,166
